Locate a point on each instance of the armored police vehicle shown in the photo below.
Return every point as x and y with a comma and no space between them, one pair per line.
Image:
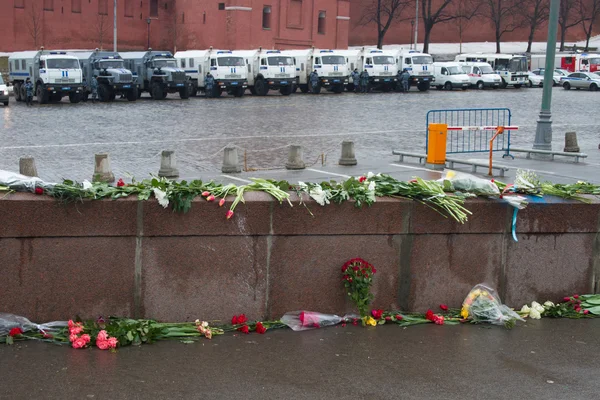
113,79
331,67
269,69
54,74
382,68
419,66
228,70
157,73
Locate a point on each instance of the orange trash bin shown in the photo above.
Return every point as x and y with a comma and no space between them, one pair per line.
436,147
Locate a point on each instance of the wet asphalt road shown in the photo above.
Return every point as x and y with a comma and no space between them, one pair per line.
547,359
64,137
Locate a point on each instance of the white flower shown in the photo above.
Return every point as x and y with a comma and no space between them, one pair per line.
535,314
371,187
319,195
548,304
161,197
537,307
302,185
525,310
370,175
204,324
86,185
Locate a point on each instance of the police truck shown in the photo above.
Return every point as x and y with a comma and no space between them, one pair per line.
269,69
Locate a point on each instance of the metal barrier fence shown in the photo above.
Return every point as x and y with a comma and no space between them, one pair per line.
471,141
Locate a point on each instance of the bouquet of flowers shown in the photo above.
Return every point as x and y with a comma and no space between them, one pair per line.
482,304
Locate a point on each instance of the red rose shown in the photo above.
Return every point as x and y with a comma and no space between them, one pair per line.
260,328
234,320
377,314
355,268
566,299
388,318
399,317
349,279
344,268
374,270
439,319
39,190
429,315
444,307
575,296
242,319
15,332
586,311
244,329
120,183
362,179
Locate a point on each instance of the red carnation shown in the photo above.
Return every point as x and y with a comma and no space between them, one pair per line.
374,270
388,318
244,329
120,183
15,332
429,315
242,319
575,296
344,268
234,320
586,311
444,307
362,179
260,328
377,314
39,190
399,317
566,299
355,268
438,319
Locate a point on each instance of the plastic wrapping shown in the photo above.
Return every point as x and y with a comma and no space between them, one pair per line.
482,304
9,321
464,182
22,183
304,320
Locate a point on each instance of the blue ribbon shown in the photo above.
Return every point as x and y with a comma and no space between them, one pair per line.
514,224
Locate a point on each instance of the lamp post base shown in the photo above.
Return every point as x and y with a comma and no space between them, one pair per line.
543,132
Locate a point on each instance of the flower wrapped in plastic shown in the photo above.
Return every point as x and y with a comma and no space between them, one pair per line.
482,304
463,182
304,320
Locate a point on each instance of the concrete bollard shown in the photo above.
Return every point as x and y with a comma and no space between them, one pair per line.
571,145
27,166
168,167
348,156
295,158
231,162
102,171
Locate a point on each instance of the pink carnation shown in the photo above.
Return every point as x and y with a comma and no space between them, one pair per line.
112,342
79,343
102,336
86,338
102,344
75,330
72,337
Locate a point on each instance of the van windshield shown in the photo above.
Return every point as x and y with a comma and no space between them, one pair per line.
165,63
62,63
230,61
328,60
281,60
112,64
379,60
422,60
487,69
454,71
518,64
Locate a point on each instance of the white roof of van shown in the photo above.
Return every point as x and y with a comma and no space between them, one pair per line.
24,54
133,54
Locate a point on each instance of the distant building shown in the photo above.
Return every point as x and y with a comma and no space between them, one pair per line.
174,24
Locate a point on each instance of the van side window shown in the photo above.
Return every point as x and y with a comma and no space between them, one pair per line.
213,62
23,67
369,61
199,69
444,71
476,70
301,66
182,63
263,61
317,60
407,61
352,66
191,63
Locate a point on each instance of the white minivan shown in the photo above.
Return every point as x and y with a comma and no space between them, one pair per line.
481,75
449,75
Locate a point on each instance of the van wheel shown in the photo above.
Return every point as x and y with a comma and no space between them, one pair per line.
74,98
448,86
184,93
42,95
567,86
239,92
530,84
286,90
261,87
132,95
593,87
480,85
157,91
17,91
103,92
304,88
504,84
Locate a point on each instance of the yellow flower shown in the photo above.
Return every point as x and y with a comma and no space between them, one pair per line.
477,292
369,321
464,313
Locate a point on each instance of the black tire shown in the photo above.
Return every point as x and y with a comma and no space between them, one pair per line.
593,87
464,87
253,91
194,90
23,93
439,87
480,85
448,86
112,96
495,87
84,96
530,84
6,104
17,91
157,91
422,86
139,93
304,88
314,89
239,92
132,95
286,90
541,84
42,95
184,92
261,88
386,89
74,98
55,98
103,92
503,85
567,86
216,91
338,89
518,86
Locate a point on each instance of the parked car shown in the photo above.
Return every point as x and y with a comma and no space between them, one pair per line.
558,73
535,80
3,92
581,80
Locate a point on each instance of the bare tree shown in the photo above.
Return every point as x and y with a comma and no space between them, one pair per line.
536,12
504,16
435,12
568,17
34,21
102,28
589,11
465,11
383,13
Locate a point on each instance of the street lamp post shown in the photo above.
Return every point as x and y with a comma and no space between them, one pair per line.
148,20
412,32
543,132
416,23
115,26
